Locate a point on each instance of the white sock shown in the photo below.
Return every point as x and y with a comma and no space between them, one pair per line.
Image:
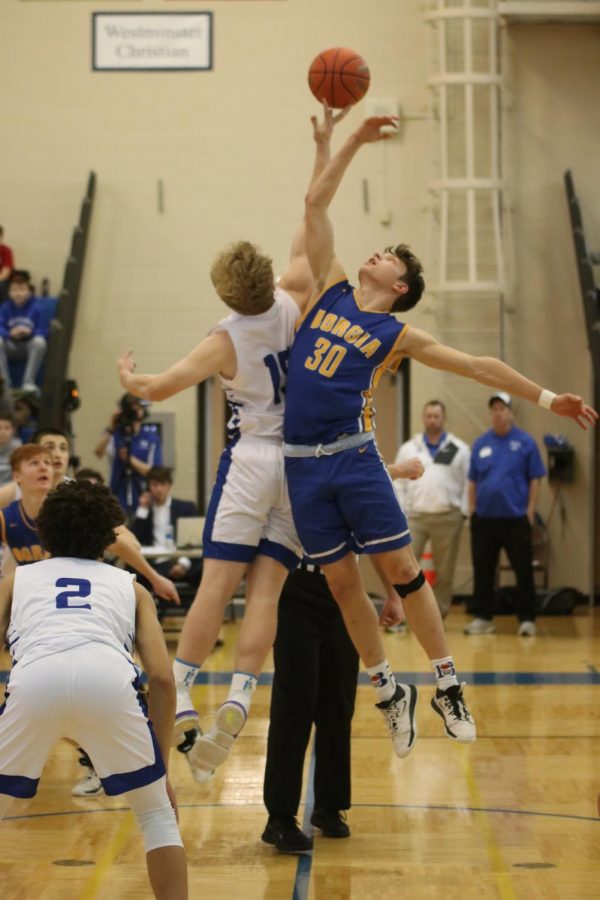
444,671
242,686
185,673
382,679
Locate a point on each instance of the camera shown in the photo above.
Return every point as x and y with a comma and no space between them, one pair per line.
129,414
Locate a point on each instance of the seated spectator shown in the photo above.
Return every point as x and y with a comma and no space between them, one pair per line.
133,447
155,525
8,442
7,264
26,409
22,334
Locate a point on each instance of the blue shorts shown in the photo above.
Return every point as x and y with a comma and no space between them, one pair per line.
345,503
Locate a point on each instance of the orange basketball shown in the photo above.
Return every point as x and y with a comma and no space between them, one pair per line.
340,76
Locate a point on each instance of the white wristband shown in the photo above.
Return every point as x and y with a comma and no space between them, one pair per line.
545,399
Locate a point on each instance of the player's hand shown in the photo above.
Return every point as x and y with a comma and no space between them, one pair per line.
411,468
392,612
322,131
126,366
165,589
173,799
574,407
370,130
145,500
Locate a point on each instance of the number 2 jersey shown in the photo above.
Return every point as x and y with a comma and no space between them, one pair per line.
62,603
339,354
256,394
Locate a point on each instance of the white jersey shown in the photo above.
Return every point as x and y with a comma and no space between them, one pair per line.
62,603
443,485
262,344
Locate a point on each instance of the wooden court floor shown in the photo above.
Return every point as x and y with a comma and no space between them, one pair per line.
512,816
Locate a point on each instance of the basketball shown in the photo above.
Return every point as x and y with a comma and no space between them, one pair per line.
340,76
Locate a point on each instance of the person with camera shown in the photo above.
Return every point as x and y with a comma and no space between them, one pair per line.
133,446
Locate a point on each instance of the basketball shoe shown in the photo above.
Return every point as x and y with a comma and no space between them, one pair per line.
212,749
399,715
458,721
201,774
90,786
186,717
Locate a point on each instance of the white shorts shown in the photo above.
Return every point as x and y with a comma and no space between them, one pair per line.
88,694
249,510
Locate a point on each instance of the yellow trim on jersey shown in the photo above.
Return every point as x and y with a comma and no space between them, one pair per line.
311,304
26,520
367,414
372,312
386,361
3,528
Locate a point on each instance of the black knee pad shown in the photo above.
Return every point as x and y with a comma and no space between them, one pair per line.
414,585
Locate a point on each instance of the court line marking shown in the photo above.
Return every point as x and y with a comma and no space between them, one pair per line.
499,868
106,861
590,676
304,866
442,807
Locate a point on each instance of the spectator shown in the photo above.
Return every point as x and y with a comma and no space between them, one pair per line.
7,264
316,667
504,483
91,475
26,409
436,504
22,333
8,442
133,448
155,525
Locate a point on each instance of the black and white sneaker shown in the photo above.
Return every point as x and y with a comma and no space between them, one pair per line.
200,773
458,721
399,715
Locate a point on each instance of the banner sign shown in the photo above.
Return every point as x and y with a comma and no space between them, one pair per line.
148,42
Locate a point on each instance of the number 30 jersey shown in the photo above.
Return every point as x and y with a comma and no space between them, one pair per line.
339,355
256,396
62,603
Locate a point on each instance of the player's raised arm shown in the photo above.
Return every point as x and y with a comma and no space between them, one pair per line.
319,231
213,355
298,279
421,346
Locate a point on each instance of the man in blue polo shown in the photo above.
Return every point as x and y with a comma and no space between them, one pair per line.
504,483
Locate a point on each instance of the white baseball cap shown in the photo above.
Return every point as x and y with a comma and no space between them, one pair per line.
503,396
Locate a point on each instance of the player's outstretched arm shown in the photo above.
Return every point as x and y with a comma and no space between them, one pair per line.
150,644
214,355
298,279
319,231
494,373
129,553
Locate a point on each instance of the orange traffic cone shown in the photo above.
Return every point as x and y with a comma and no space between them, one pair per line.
427,565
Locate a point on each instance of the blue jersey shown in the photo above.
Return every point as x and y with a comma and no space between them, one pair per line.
339,354
502,467
125,482
19,532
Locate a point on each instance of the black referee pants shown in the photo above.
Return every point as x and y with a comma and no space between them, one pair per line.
488,537
316,668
